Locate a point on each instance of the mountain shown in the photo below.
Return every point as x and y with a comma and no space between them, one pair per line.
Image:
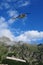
6,40
28,52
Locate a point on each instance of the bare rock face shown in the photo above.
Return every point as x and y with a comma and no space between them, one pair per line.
4,39
7,41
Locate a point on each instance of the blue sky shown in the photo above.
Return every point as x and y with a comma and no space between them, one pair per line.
28,29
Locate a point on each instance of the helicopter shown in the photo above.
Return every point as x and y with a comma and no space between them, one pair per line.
23,15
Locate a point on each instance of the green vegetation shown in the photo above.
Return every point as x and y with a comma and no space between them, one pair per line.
3,51
33,54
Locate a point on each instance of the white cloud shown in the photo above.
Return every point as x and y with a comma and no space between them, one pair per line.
16,3
25,3
10,21
12,13
30,36
6,33
5,5
3,23
27,36
2,19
